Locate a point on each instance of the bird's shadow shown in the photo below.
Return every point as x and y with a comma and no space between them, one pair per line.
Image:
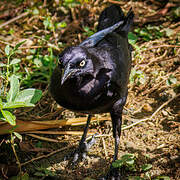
92,167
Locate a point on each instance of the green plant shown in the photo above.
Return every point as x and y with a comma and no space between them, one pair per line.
42,172
9,52
127,161
149,32
24,176
146,167
137,76
132,38
48,23
171,80
71,3
41,67
162,178
16,99
88,32
135,178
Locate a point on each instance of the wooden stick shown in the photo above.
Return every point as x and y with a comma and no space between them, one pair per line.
76,133
14,19
149,118
43,138
45,156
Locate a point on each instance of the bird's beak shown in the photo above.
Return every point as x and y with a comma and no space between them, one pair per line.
67,72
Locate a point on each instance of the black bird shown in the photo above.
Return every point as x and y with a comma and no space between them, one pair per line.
93,76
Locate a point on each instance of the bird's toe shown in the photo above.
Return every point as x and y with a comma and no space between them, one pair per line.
114,174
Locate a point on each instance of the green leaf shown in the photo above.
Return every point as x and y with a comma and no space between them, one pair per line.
15,61
10,105
9,117
127,157
146,167
2,65
14,88
62,24
35,11
39,174
132,38
135,178
169,32
177,11
171,80
37,96
25,176
18,135
130,162
1,104
162,178
118,164
18,45
15,178
20,176
29,96
7,50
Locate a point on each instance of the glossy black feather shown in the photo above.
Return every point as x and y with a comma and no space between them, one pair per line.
92,77
102,82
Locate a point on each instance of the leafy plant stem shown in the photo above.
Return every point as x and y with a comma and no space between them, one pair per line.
51,61
7,74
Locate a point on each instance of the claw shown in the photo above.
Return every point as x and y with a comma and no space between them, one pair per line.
81,151
113,174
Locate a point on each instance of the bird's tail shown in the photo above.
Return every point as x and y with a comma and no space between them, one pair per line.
112,15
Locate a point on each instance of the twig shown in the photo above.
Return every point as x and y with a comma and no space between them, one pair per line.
44,156
164,45
43,138
149,118
148,91
33,47
73,14
3,42
25,47
116,2
104,145
156,59
1,142
14,151
14,19
76,133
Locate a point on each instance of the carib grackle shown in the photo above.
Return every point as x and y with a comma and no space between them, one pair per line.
93,76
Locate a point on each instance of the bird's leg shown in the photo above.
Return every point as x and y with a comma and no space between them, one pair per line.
83,147
83,138
116,116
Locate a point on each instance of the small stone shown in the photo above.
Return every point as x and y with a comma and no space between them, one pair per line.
147,107
165,113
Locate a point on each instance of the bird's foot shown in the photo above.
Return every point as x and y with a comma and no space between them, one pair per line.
113,174
80,152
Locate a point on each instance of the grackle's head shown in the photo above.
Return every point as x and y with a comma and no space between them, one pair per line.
75,62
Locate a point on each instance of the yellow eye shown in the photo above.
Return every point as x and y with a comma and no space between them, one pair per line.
82,63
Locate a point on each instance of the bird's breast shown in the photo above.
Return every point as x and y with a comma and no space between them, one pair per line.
90,97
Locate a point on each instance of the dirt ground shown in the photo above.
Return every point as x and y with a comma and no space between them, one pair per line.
151,122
